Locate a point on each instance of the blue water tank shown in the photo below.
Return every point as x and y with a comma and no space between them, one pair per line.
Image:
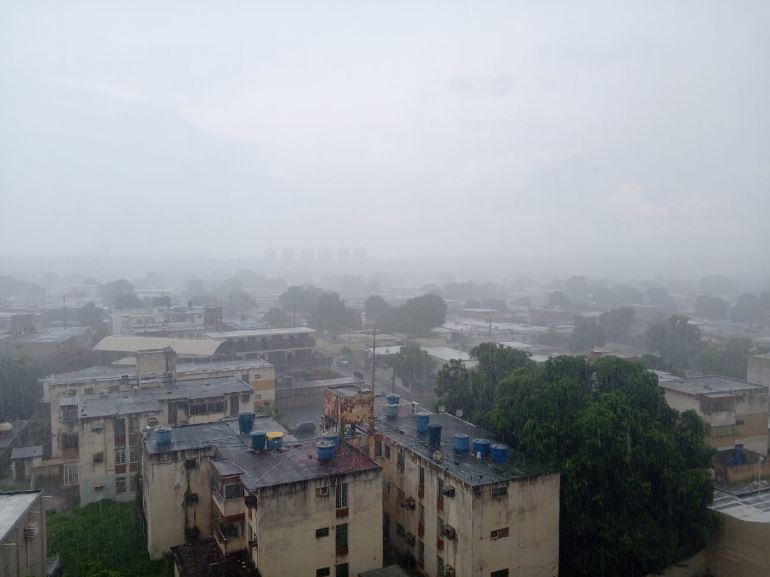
499,453
462,443
274,440
393,399
324,450
434,435
481,446
245,422
163,436
258,440
422,419
391,411
334,438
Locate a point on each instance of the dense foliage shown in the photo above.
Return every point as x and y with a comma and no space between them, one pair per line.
103,539
20,390
635,474
411,364
277,317
416,316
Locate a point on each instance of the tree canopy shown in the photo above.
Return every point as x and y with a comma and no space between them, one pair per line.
277,317
586,334
416,316
300,298
331,314
374,307
635,482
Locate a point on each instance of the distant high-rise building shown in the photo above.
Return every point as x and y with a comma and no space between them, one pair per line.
343,255
271,255
324,255
287,255
308,255
359,254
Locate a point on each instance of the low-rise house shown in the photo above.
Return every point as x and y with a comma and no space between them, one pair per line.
288,347
24,461
735,412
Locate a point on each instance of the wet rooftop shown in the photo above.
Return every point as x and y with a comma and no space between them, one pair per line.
753,506
709,385
464,466
13,506
295,461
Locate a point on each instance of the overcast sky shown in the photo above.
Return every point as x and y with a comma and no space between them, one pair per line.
562,129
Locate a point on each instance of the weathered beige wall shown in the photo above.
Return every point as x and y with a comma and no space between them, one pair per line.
287,516
741,549
23,557
165,486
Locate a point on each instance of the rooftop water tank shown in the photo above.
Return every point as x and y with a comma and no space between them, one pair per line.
421,422
332,437
462,443
391,411
393,399
499,453
481,448
274,440
245,422
324,450
163,436
434,435
258,440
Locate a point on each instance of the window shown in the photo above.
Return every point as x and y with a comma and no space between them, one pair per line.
232,530
322,532
323,572
206,406
98,457
133,456
321,492
422,476
499,533
723,431
342,495
232,491
341,536
152,422
378,448
69,413
500,491
69,441
387,450
342,570
245,377
120,428
70,474
120,455
120,485
400,463
500,573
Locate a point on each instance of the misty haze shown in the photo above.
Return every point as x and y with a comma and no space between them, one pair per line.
384,289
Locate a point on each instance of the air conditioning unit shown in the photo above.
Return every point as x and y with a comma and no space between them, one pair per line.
30,531
449,532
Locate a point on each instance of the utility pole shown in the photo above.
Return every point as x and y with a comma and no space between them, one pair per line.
374,355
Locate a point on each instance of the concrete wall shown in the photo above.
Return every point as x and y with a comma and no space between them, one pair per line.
740,549
22,556
287,516
165,486
758,370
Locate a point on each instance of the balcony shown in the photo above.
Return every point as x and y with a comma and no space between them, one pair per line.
227,507
228,540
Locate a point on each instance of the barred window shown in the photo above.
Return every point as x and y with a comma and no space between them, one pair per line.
120,455
342,495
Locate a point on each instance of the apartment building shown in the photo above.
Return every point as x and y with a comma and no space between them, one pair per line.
178,321
735,412
457,504
23,544
152,369
289,347
97,437
221,491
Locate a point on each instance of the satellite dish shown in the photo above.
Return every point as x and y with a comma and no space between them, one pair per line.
441,408
459,413
437,455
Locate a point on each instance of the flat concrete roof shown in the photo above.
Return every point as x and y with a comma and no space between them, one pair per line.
12,507
53,335
447,354
151,400
753,507
260,333
27,452
708,385
132,344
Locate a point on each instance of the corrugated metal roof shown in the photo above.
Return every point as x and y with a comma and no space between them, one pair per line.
132,344
27,452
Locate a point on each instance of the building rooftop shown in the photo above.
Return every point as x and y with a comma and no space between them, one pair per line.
113,372
447,354
753,507
12,507
295,461
260,333
27,452
466,467
203,558
321,383
133,343
708,385
53,335
151,400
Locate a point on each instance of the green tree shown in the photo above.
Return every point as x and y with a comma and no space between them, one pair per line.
374,307
411,364
559,300
302,299
748,309
586,334
110,291
416,316
331,314
600,424
676,340
278,317
454,389
728,360
126,301
709,307
616,323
